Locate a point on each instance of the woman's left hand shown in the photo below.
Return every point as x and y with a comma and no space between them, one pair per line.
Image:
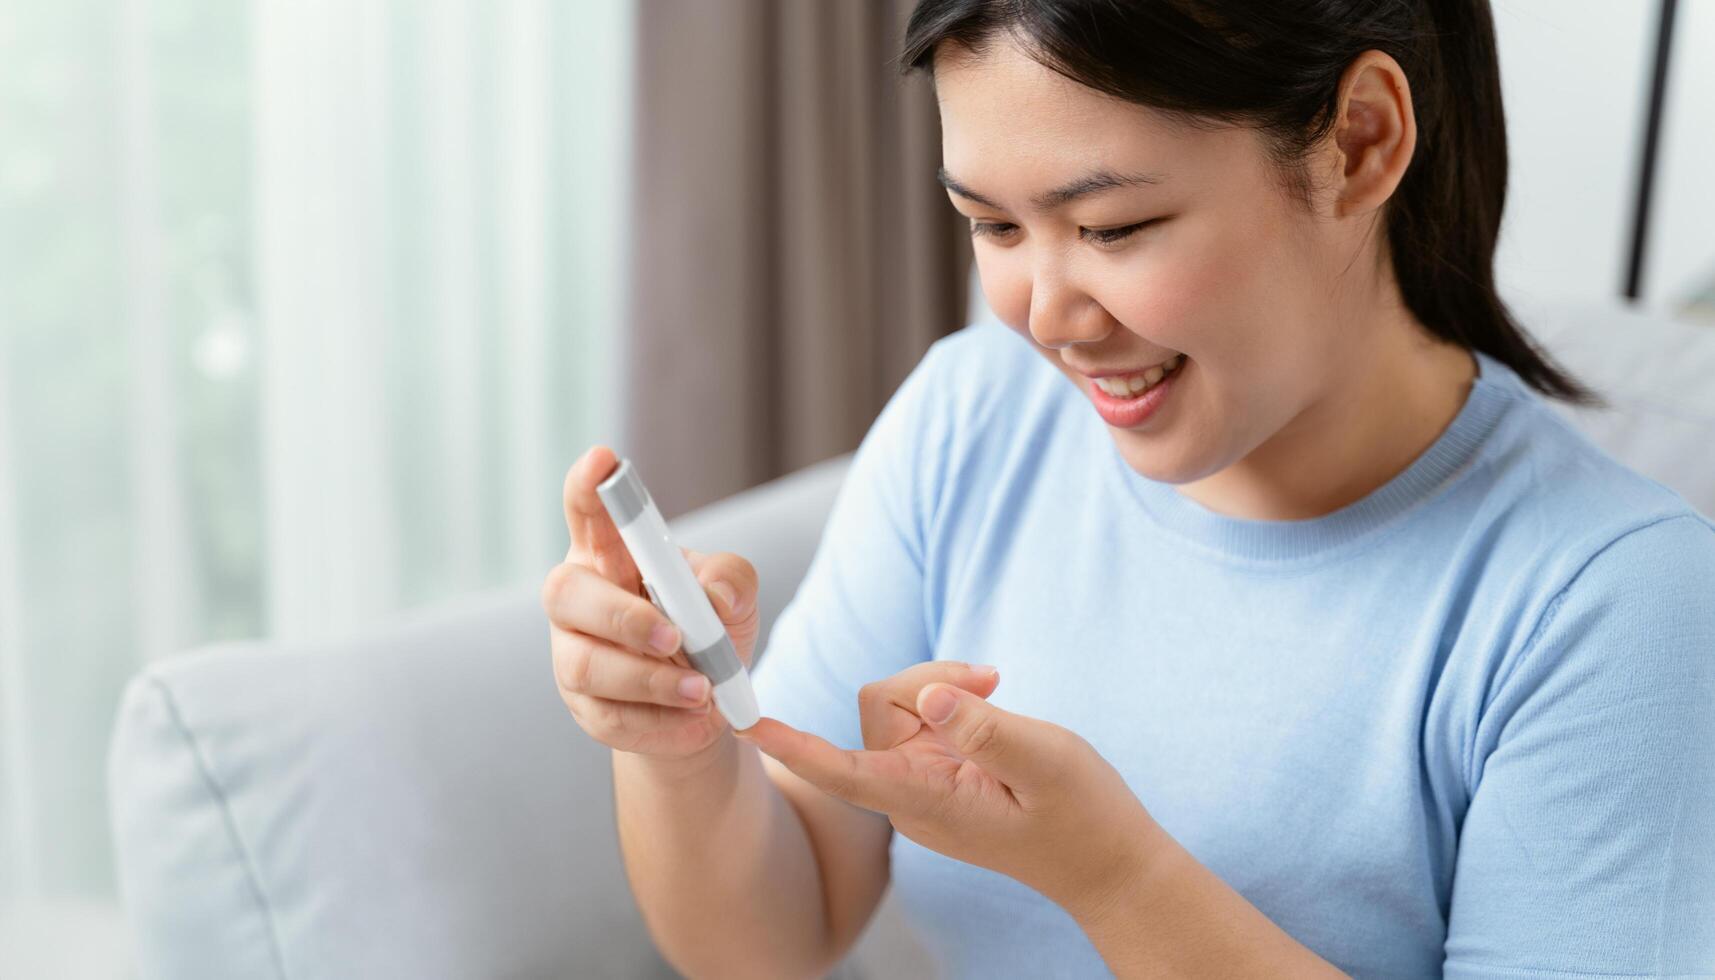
1022,796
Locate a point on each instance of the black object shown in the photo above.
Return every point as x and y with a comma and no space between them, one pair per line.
1652,137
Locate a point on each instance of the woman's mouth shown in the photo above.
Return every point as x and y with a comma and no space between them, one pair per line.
1143,392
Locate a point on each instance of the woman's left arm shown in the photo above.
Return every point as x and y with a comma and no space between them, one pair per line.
1169,915
1035,801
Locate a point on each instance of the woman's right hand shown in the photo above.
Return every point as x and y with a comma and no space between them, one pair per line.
617,658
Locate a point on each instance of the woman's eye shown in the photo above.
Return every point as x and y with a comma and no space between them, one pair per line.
1100,236
1113,236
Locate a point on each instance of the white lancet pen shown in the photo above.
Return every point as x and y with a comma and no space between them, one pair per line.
674,588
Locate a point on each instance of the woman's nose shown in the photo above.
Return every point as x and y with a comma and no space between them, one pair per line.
1061,316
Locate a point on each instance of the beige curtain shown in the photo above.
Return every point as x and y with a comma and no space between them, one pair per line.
792,253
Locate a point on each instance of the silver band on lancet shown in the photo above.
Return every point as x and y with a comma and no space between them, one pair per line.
717,661
623,494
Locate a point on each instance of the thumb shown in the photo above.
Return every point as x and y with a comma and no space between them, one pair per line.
1017,750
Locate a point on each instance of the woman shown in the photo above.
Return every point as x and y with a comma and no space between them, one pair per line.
1322,644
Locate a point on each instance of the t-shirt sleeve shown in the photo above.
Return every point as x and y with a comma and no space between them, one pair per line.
1588,848
860,613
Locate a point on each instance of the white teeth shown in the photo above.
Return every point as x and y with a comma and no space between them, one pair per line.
1135,384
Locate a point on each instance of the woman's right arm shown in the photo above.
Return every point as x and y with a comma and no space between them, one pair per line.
739,867
755,893
727,861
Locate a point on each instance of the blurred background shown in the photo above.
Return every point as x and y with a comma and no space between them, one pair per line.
306,307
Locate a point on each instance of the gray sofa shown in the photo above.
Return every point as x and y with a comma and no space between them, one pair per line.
416,802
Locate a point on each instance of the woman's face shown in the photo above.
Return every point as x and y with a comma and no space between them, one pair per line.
1258,296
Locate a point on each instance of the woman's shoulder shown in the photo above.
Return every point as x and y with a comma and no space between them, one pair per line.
985,373
1564,480
1587,525
973,358
964,396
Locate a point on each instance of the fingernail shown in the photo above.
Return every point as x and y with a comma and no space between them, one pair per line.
985,670
727,595
939,704
664,637
693,687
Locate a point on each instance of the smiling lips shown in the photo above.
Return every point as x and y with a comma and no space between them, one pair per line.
1153,387
1136,383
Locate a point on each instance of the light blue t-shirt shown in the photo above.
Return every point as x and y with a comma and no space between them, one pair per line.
1465,724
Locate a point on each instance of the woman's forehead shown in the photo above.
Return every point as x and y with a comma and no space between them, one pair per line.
1011,162
1000,107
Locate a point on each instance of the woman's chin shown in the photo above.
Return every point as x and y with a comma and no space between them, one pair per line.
1147,460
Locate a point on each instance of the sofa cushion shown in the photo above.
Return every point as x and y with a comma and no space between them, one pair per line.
1659,374
412,802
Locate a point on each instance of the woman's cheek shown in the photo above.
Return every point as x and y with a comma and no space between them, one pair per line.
1225,295
1164,301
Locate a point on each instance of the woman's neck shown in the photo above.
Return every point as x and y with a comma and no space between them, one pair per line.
1345,446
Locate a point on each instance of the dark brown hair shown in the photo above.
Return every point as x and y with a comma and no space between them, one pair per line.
1276,66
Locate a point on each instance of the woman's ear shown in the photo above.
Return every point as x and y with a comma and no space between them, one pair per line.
1375,134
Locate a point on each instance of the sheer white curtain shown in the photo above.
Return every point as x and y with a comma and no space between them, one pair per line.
305,306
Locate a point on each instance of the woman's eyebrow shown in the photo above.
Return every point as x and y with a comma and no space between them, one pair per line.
1099,180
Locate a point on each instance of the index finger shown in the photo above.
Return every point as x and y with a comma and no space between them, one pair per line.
879,781
593,533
